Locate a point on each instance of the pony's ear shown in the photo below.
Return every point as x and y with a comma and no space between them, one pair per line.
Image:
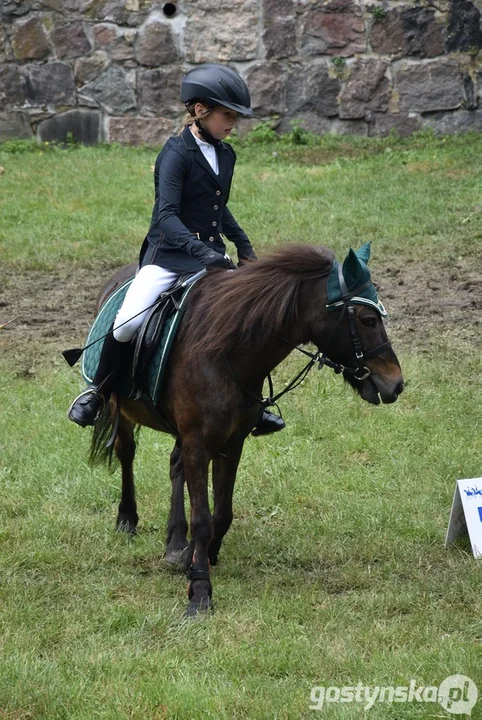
353,270
364,253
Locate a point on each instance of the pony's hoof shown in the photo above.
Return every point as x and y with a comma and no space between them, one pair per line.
177,557
199,608
126,525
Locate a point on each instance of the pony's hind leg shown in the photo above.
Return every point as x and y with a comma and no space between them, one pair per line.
125,449
178,551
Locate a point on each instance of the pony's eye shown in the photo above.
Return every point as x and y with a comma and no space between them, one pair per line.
369,321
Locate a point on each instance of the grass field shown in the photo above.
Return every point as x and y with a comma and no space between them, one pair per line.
334,571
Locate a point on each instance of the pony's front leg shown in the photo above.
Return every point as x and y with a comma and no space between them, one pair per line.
125,449
225,466
177,546
196,464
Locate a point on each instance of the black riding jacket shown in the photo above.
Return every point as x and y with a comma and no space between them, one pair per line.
190,209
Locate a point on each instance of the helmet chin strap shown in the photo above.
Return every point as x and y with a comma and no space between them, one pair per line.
206,135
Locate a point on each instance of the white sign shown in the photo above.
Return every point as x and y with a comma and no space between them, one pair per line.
466,514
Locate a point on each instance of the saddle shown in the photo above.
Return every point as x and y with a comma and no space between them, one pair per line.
150,346
149,336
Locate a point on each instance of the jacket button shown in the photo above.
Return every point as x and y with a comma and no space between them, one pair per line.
211,239
214,223
218,192
216,207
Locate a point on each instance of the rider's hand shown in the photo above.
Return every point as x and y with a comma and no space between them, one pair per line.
246,258
214,259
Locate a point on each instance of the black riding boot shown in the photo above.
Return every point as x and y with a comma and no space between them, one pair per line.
268,423
87,406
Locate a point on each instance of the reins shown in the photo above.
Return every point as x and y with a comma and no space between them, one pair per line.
273,399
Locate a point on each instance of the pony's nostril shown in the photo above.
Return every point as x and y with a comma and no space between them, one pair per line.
399,388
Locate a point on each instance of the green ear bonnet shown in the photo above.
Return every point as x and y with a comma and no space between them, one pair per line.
352,281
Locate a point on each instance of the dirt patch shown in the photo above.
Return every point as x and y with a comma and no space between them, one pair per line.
432,304
429,304
49,312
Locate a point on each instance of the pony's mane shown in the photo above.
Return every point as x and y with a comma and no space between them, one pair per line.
253,303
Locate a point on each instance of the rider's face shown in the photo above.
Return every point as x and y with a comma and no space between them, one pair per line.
220,122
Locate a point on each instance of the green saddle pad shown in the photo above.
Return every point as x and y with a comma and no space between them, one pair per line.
157,365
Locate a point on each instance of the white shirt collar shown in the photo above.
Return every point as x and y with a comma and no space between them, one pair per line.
209,152
201,142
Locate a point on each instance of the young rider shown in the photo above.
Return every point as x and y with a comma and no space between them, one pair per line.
192,180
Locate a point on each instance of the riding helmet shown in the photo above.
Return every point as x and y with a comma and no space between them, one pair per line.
215,84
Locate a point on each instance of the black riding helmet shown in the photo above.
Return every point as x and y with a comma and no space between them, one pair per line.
216,85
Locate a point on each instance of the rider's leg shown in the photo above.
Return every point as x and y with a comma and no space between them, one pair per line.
146,287
86,407
148,284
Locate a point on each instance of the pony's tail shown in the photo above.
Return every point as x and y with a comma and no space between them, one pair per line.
102,443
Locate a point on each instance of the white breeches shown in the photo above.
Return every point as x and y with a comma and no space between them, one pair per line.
148,284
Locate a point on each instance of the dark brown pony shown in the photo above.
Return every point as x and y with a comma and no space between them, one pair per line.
237,328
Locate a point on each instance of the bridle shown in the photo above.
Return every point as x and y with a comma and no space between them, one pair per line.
359,372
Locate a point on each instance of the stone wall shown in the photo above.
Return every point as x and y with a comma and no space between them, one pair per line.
110,70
